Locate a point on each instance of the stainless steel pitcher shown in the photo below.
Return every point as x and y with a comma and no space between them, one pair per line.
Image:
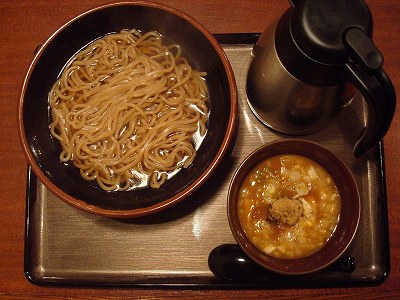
305,67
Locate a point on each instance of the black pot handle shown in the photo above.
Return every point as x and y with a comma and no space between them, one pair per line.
365,72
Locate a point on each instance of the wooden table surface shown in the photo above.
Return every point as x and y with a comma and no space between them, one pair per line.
25,24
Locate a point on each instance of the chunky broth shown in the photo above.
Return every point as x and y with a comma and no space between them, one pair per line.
289,233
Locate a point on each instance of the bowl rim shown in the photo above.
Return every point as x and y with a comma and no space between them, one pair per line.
162,205
240,236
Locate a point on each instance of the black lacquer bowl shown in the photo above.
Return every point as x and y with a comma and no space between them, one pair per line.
42,151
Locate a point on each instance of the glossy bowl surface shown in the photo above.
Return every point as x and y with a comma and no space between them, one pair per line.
42,151
348,219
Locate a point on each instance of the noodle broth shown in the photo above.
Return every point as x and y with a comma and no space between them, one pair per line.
295,179
129,111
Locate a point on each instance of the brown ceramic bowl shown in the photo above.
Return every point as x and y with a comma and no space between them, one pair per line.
42,151
349,215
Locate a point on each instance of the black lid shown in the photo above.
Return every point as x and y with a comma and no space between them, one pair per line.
318,27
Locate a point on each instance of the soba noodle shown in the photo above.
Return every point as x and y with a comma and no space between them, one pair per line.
129,111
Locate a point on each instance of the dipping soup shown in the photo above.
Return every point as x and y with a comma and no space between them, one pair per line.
289,206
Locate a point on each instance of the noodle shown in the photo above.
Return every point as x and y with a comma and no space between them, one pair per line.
126,110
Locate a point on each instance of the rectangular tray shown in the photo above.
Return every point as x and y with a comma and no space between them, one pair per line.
65,246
